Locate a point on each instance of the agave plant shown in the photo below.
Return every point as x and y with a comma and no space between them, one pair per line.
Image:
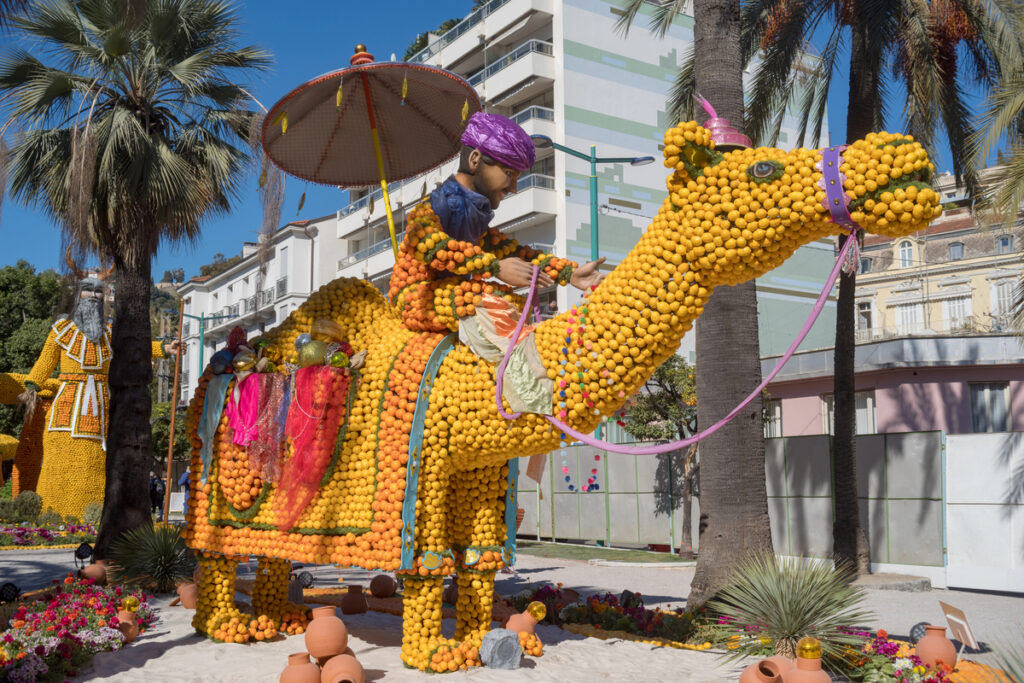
153,558
1011,659
778,601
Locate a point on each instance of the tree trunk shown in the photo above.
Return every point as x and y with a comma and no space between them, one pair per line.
126,502
849,541
733,498
686,545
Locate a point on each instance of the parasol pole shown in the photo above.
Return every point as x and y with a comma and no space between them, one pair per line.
363,57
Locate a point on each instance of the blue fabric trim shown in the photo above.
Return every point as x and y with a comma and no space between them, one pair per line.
511,500
412,470
213,406
464,215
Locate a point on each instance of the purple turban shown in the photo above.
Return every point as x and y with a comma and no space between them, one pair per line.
501,139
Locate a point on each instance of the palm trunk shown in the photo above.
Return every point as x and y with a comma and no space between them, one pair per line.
126,503
734,500
849,541
686,545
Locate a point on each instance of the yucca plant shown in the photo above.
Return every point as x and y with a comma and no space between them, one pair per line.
154,558
1011,659
778,601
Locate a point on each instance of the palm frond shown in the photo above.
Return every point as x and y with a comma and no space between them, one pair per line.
682,105
784,600
1011,659
661,18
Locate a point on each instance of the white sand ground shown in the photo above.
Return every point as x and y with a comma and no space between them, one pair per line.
172,652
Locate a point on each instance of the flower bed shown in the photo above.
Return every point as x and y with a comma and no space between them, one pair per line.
53,637
27,536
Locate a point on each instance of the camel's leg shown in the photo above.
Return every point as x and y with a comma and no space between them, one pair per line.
479,530
421,619
216,614
270,597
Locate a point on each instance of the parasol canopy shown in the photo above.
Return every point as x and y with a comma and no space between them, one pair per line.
322,130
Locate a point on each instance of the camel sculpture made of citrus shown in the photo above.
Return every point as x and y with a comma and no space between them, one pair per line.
428,500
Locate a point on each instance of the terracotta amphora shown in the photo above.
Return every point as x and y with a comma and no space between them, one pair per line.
326,634
97,571
342,669
128,625
765,671
521,623
300,670
383,586
354,602
935,649
806,671
189,595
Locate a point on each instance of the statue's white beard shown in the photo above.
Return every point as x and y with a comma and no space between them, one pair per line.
88,317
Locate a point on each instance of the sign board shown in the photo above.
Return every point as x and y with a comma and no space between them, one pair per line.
958,625
177,502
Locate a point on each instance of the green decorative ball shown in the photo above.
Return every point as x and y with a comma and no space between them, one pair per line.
312,353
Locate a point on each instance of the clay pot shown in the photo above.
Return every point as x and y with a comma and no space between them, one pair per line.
935,648
806,671
189,595
765,671
569,596
326,634
128,625
383,586
520,516
521,623
97,571
784,663
300,670
342,669
354,602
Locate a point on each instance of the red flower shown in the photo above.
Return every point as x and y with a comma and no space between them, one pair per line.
882,633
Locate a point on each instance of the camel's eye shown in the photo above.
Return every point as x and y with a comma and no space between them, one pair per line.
765,170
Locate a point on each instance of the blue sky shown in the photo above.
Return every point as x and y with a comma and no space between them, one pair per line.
307,38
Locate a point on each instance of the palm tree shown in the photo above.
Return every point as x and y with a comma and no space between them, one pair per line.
8,8
129,123
734,502
919,45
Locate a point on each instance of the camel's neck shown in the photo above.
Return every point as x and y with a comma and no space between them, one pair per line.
635,320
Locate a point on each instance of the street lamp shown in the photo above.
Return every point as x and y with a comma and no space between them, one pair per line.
543,142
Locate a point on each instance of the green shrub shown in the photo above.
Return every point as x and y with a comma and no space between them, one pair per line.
7,490
781,600
27,506
152,558
49,518
93,513
72,520
7,512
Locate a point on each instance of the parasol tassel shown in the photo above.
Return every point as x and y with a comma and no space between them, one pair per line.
282,118
465,111
405,88
302,202
337,98
263,178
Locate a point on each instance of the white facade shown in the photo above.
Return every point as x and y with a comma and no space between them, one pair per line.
559,68
243,296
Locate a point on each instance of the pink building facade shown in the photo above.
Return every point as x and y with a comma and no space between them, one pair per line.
956,384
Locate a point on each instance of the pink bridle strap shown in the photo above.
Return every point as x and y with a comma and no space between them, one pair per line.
840,215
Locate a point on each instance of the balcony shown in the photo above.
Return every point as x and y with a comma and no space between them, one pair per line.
282,287
536,120
364,201
459,30
367,252
532,61
534,202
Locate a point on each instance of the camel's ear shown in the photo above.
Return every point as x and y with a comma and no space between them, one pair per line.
689,149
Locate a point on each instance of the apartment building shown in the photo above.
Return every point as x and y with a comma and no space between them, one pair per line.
935,345
252,296
560,69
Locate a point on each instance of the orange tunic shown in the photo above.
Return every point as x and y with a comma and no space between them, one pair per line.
437,280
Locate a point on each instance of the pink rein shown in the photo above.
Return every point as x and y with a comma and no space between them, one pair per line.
836,200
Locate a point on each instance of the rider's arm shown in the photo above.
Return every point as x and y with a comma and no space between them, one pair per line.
559,269
429,244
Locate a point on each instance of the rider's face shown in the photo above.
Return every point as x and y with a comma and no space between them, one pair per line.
494,180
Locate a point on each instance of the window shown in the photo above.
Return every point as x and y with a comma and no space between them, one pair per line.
956,251
956,312
1002,297
906,251
282,267
864,402
909,318
773,418
988,407
865,265
864,315
1004,244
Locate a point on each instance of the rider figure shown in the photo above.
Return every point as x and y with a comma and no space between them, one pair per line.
442,278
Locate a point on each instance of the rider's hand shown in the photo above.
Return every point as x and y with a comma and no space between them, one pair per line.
517,272
587,275
171,348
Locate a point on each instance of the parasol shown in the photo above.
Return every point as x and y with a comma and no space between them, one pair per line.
370,123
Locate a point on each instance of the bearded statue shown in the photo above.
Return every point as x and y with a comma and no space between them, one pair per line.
72,470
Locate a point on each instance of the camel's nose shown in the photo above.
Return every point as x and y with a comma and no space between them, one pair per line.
887,177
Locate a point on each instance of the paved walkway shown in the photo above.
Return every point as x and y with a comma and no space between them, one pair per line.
994,617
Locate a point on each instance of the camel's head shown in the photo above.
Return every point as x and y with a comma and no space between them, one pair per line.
742,212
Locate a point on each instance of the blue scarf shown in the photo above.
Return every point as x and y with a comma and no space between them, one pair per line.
465,215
